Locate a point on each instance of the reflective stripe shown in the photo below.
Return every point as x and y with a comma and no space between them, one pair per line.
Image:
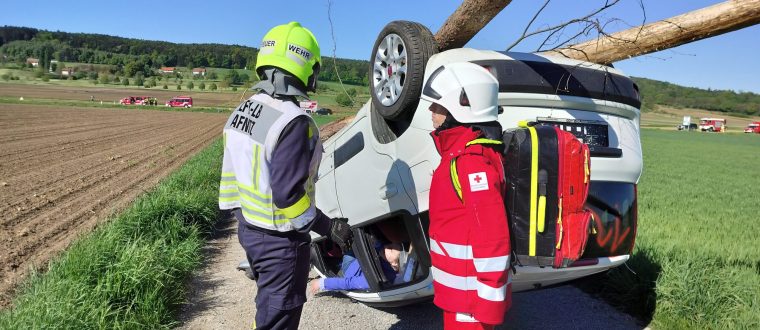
457,251
434,247
295,58
493,264
298,208
248,189
483,141
470,283
305,218
585,166
255,167
262,219
533,190
464,252
455,179
559,225
541,213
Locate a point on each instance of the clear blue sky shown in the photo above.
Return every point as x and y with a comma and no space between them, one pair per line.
728,61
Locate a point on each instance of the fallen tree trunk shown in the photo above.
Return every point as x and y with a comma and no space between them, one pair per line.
675,31
466,21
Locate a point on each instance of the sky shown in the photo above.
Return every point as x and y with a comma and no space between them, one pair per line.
729,61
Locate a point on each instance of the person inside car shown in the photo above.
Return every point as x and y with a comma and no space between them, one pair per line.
351,274
469,235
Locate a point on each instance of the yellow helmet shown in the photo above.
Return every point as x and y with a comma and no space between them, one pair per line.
292,48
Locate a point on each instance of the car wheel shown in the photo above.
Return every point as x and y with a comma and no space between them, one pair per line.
186,106
397,67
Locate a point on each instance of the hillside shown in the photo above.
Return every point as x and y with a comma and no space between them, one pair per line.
18,43
655,92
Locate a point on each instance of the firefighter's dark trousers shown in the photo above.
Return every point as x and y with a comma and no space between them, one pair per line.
280,264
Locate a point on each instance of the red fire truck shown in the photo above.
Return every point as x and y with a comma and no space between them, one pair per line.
712,124
753,127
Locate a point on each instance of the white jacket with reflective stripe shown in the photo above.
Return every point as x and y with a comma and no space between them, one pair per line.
250,136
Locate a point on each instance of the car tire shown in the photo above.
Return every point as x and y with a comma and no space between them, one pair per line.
396,80
187,106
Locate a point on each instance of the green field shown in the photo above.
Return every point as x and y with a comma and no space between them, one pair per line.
697,257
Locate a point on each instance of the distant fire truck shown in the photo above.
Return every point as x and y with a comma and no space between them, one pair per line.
753,127
309,106
712,124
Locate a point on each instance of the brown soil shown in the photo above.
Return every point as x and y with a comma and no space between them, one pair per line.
65,170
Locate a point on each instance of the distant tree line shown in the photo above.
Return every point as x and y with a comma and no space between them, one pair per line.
135,55
654,92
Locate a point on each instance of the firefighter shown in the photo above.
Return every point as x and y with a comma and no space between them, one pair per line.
469,238
271,154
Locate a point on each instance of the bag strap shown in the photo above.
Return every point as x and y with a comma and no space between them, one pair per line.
454,175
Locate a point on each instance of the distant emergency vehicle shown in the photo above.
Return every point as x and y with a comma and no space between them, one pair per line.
180,101
753,127
309,106
712,124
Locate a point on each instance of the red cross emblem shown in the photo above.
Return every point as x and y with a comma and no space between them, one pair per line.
478,178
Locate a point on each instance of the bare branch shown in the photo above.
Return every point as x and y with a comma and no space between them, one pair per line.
524,36
529,24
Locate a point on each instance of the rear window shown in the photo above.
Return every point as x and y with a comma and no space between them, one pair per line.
613,205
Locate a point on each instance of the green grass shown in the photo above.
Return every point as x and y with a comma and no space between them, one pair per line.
697,256
131,272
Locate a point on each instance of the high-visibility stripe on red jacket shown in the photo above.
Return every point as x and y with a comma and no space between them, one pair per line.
469,237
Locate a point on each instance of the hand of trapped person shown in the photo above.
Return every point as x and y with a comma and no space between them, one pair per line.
314,286
340,233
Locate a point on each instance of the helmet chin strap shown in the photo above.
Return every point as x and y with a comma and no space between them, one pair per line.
280,84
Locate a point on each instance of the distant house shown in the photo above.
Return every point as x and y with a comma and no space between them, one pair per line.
167,69
33,61
51,65
67,72
199,71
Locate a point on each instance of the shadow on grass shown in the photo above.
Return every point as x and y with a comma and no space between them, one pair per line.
630,288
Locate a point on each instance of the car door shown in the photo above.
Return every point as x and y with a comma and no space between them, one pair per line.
366,180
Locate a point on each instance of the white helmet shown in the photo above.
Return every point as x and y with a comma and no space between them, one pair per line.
468,91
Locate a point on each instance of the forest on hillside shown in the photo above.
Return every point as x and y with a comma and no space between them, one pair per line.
655,92
145,56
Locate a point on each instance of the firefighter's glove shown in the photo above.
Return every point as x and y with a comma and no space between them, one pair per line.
340,233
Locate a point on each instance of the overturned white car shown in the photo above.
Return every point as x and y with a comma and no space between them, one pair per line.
377,170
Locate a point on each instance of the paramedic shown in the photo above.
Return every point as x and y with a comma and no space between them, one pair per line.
271,154
469,238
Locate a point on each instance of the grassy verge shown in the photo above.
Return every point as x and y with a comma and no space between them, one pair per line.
697,259
129,273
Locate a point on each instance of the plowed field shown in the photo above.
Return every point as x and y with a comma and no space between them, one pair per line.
65,170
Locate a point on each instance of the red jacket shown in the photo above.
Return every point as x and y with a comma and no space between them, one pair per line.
469,235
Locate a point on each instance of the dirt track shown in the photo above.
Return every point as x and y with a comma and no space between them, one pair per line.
64,170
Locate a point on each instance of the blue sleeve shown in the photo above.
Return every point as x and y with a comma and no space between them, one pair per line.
289,167
352,280
289,170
